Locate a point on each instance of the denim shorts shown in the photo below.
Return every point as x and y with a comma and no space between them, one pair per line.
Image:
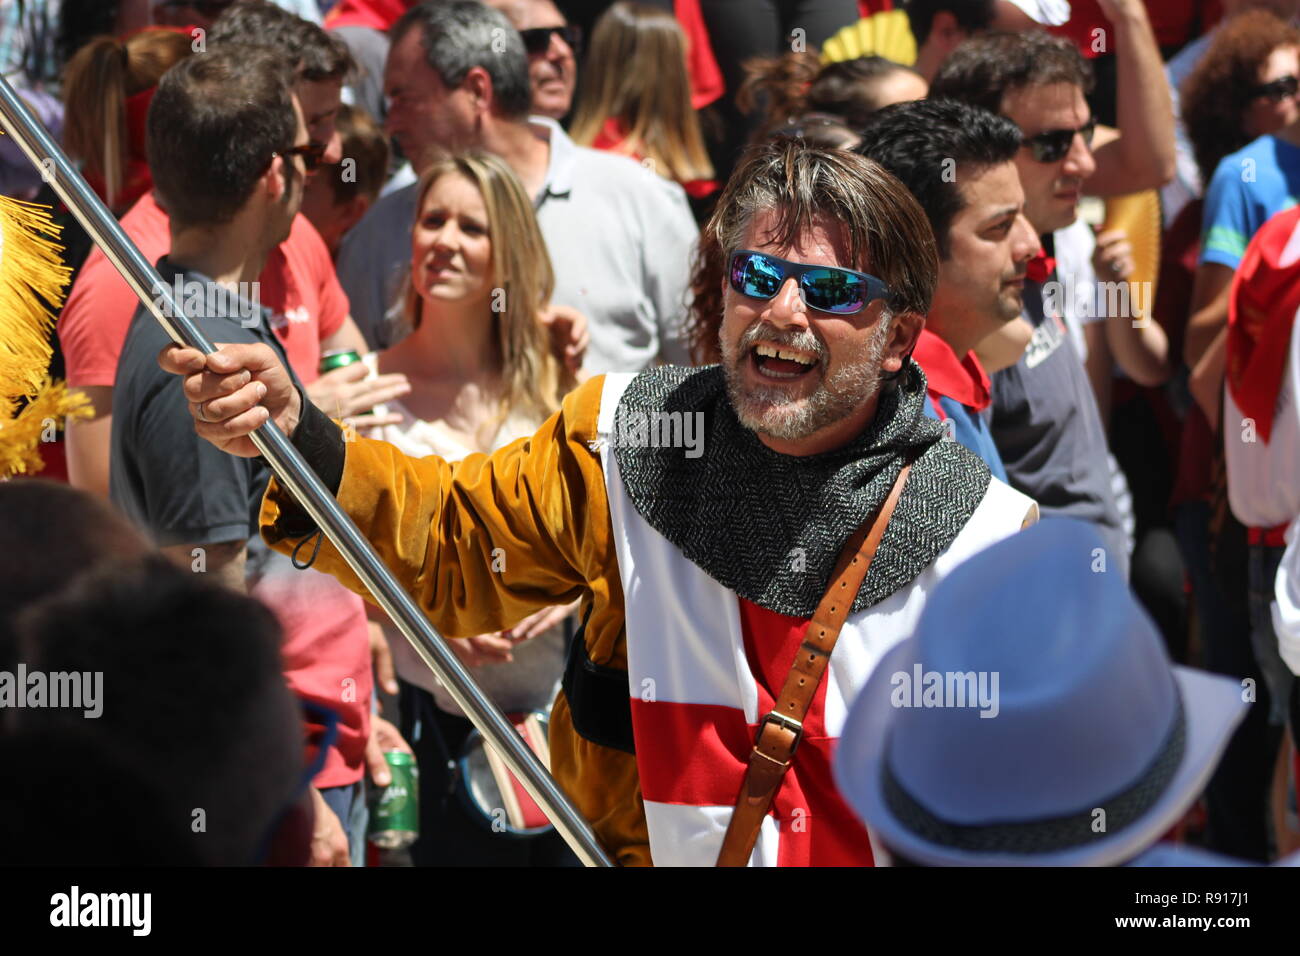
349,805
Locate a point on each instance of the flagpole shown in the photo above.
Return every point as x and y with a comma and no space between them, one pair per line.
296,476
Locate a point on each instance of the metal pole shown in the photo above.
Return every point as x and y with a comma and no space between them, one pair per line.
294,473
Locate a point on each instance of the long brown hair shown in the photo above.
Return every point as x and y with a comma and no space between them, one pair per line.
636,73
532,380
1217,92
98,81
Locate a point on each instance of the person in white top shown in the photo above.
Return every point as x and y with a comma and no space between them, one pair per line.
482,375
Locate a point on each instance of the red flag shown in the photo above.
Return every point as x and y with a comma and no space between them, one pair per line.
1261,311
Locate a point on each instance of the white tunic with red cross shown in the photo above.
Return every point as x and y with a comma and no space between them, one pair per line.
703,664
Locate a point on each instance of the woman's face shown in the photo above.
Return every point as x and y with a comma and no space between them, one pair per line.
451,250
1267,114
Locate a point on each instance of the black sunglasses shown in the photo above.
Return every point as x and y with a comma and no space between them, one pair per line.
538,39
1052,146
313,155
824,288
1284,87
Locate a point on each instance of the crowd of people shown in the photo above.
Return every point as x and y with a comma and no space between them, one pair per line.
629,334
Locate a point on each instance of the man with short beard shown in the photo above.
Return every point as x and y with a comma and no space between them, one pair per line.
718,523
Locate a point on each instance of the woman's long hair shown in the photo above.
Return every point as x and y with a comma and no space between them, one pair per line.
1217,93
533,381
636,74
99,84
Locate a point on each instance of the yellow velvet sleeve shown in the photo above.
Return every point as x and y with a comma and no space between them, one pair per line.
484,542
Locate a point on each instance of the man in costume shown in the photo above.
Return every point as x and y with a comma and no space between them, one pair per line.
699,514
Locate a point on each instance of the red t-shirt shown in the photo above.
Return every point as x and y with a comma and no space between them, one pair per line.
298,285
326,651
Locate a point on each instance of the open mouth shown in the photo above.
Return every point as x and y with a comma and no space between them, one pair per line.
776,362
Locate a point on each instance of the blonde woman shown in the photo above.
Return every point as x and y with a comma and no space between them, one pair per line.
636,97
482,375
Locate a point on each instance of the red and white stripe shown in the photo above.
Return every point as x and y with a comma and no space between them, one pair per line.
696,700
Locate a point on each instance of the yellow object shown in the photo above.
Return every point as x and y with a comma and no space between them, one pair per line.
887,34
1138,214
32,277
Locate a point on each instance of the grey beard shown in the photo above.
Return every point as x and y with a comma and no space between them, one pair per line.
770,411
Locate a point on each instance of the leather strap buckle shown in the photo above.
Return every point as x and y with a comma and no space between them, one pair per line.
789,723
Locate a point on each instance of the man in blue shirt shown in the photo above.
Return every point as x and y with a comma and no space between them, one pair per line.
976,207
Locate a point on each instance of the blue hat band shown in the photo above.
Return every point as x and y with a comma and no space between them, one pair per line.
1050,834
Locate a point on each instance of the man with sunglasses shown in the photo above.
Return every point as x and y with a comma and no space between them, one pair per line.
699,513
1040,83
552,45
311,312
237,153
1046,422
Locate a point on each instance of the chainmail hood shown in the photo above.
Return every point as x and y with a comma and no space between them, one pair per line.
770,526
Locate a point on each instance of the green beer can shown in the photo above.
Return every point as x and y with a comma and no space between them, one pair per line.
395,813
337,359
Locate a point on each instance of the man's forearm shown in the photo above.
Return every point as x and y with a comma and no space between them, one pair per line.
1143,157
1140,349
346,336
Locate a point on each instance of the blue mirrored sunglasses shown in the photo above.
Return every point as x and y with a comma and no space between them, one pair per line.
824,288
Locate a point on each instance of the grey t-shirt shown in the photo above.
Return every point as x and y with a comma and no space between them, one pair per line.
163,476
620,240
1047,428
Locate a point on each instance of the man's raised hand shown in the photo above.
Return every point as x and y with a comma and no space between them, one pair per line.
233,391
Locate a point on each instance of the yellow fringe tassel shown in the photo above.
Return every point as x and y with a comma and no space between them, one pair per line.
32,277
31,269
40,421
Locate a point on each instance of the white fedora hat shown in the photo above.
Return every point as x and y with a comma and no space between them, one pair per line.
1090,745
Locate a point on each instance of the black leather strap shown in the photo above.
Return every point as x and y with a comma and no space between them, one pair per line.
598,697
